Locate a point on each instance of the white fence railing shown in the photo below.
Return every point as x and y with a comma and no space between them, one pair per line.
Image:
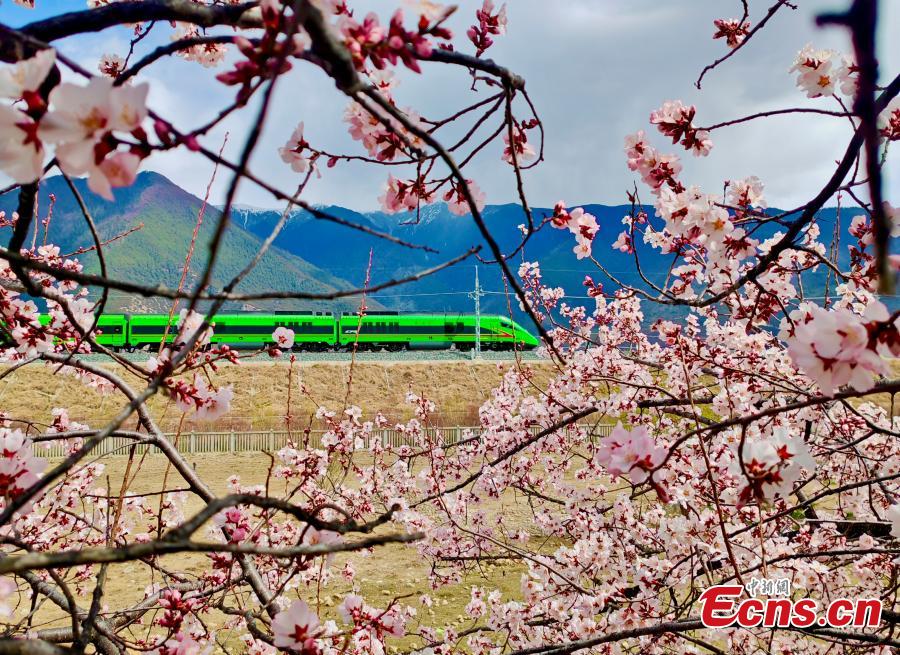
236,441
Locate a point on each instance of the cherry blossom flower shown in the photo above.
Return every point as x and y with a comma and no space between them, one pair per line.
234,523
283,338
23,78
772,466
746,193
623,243
21,149
351,608
118,169
525,152
489,24
814,71
111,66
631,453
889,121
675,120
213,403
82,117
656,170
732,30
580,223
208,403
832,347
19,468
402,195
295,628
21,152
292,151
381,142
369,41
207,55
848,76
189,324
182,643
456,201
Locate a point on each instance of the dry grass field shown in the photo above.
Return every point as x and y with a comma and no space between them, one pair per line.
381,574
260,400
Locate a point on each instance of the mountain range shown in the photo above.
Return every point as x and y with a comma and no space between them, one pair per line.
319,256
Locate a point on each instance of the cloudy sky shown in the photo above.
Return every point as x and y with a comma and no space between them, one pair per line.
595,69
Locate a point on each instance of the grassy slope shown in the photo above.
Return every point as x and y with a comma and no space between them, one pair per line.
458,388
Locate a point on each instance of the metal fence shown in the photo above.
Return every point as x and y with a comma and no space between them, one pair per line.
267,440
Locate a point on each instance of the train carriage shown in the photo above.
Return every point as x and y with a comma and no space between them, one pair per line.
393,331
244,330
313,331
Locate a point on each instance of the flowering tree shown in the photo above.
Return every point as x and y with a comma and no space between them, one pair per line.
748,443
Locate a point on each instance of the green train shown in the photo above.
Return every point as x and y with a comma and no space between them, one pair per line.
323,331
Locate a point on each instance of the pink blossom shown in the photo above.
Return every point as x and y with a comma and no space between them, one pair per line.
832,347
208,403
732,30
525,152
324,537
623,243
889,121
26,76
633,453
351,608
848,76
456,201
213,403
21,152
746,193
207,55
283,338
814,72
489,24
295,628
234,523
189,324
82,117
118,169
19,468
675,120
292,151
182,644
400,195
771,467
111,65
